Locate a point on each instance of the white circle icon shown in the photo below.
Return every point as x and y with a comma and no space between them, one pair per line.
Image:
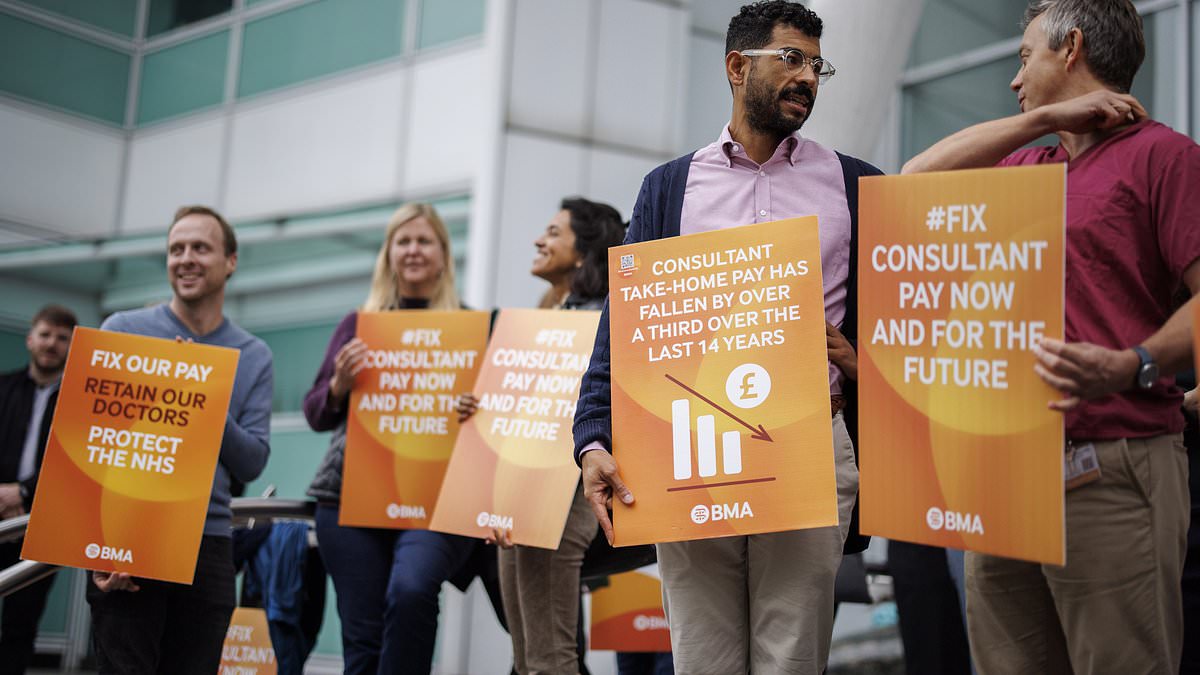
748,385
934,518
699,514
482,519
393,510
92,551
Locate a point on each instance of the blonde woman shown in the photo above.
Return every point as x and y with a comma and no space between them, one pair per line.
387,581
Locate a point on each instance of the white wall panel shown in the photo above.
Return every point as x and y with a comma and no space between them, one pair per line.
538,173
713,15
640,74
615,178
444,139
333,146
709,100
550,65
58,175
169,168
850,109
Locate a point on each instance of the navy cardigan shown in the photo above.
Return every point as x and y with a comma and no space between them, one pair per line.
656,215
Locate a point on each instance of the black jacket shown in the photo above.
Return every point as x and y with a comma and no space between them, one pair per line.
16,408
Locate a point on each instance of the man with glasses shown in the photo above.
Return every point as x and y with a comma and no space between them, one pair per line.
759,603
1132,246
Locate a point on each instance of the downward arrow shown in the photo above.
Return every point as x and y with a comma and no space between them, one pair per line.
757,433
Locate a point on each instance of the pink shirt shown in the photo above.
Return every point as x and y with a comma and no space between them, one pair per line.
726,188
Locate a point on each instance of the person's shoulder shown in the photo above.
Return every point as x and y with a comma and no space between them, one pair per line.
1161,140
12,376
132,320
666,170
1038,154
249,343
856,166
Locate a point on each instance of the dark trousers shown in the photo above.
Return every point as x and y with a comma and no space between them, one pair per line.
21,615
165,627
931,622
387,584
645,663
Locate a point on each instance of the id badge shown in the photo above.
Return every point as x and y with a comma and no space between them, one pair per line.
1080,466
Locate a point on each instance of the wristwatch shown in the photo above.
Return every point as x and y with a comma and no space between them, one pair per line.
1147,372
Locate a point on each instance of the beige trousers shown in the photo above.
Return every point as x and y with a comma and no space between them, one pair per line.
540,589
761,603
1116,607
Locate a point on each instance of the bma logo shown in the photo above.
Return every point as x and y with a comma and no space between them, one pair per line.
642,622
93,551
953,521
702,513
395,511
493,520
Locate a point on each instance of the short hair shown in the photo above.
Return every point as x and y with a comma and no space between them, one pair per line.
597,227
55,315
1114,44
755,23
226,229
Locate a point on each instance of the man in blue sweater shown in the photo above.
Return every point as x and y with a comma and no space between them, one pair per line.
147,626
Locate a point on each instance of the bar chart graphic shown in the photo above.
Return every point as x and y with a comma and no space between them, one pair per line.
702,461
706,444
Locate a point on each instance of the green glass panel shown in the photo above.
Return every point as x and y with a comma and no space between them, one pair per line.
183,78
13,354
167,15
938,108
302,349
318,39
58,604
62,71
949,27
117,16
449,20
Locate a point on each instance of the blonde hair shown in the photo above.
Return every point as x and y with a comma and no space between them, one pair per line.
383,294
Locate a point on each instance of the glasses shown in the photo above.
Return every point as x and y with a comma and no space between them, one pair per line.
794,61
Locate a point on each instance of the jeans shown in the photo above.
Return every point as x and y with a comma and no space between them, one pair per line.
166,627
387,584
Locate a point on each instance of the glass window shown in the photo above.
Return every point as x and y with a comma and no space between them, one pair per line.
443,21
166,15
318,39
117,16
950,27
1195,103
183,78
304,347
62,71
1154,84
936,109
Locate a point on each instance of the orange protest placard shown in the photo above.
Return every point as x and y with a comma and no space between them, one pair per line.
247,649
402,423
627,615
960,273
513,466
720,384
129,464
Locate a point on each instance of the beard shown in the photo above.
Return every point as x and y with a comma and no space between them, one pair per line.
764,112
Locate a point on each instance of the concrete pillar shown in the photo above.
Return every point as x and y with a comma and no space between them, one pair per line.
868,42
